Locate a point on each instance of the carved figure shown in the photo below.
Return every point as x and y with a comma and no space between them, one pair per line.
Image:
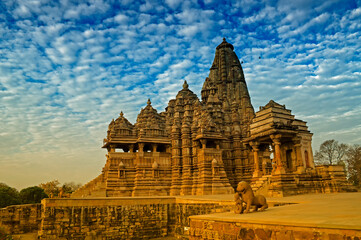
239,204
247,195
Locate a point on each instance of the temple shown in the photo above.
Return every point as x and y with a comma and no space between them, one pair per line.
207,146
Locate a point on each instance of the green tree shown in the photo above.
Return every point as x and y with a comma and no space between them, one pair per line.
331,152
32,195
353,160
8,196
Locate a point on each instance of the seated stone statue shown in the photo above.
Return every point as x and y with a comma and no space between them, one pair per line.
246,194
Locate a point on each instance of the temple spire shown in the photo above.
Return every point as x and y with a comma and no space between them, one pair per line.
226,76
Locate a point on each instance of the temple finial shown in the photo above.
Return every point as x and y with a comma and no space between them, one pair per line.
121,114
185,85
149,102
225,44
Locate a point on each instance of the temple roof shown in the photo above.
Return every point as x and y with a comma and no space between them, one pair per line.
225,44
149,118
272,103
185,93
122,123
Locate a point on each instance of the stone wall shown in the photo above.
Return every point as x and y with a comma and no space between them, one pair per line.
105,218
179,221
110,218
122,218
216,230
20,219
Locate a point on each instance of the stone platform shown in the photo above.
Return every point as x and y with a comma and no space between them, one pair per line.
319,216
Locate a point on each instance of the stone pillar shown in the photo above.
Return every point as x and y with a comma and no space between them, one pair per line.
204,143
154,146
186,188
140,147
195,174
299,161
255,147
176,160
310,157
237,146
277,154
168,149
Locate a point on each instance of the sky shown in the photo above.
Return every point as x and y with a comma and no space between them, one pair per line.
67,68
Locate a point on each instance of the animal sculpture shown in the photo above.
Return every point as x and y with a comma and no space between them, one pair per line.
246,194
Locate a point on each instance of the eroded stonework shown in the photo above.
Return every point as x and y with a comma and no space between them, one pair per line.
207,146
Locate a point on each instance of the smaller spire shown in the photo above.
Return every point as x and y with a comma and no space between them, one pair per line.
121,114
149,102
155,165
185,85
121,165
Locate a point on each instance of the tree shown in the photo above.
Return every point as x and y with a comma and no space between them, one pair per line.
353,160
70,187
8,196
32,195
331,152
51,188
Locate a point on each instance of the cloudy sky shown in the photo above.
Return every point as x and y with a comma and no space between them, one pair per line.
67,68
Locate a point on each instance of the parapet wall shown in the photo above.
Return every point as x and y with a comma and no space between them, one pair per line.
122,218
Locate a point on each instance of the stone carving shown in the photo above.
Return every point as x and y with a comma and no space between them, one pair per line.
245,193
239,203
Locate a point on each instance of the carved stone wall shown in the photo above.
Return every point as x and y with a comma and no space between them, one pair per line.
136,221
110,218
20,219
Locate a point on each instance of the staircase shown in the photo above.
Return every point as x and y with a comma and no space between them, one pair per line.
94,188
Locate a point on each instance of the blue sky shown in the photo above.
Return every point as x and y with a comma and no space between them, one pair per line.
68,67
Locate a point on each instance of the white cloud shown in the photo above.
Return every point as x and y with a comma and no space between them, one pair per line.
173,3
121,18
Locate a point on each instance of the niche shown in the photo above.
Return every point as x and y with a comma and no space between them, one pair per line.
211,144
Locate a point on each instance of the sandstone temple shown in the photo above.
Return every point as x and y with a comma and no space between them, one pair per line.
206,146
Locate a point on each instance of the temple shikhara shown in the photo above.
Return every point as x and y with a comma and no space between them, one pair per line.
208,145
